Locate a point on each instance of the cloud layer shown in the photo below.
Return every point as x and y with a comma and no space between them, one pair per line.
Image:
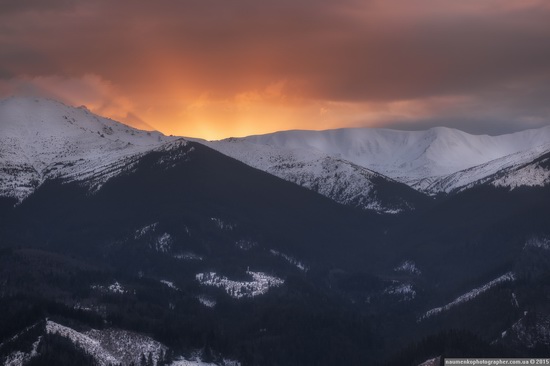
214,68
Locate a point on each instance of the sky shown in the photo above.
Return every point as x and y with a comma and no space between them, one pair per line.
221,68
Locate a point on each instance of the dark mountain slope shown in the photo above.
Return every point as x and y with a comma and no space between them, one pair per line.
472,237
189,186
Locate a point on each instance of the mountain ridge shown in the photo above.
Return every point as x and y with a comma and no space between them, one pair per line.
352,144
341,180
44,139
173,234
424,160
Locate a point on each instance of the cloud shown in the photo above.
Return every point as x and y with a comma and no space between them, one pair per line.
98,95
15,6
156,60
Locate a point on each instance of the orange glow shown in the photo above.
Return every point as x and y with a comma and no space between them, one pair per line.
203,116
235,68
246,113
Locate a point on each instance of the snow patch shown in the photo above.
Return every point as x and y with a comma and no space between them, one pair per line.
176,155
111,346
531,330
126,346
188,256
515,301
408,266
90,345
19,358
222,225
209,303
115,288
532,175
145,230
169,284
245,244
403,290
469,295
291,260
431,362
98,309
163,244
541,243
259,284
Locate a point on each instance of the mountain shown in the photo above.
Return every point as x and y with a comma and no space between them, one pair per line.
373,169
421,159
42,139
333,177
515,170
172,244
195,249
106,347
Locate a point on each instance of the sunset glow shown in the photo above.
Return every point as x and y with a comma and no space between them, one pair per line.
215,69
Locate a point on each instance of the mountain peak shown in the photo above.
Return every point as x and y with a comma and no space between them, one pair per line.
42,138
46,117
407,156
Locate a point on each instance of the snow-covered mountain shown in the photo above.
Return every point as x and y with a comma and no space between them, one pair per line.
331,176
373,169
525,168
43,139
428,160
175,254
108,346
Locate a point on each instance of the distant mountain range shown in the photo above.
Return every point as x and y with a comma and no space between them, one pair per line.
386,171
433,161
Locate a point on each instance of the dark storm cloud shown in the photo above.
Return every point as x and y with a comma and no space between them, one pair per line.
504,109
347,51
18,6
